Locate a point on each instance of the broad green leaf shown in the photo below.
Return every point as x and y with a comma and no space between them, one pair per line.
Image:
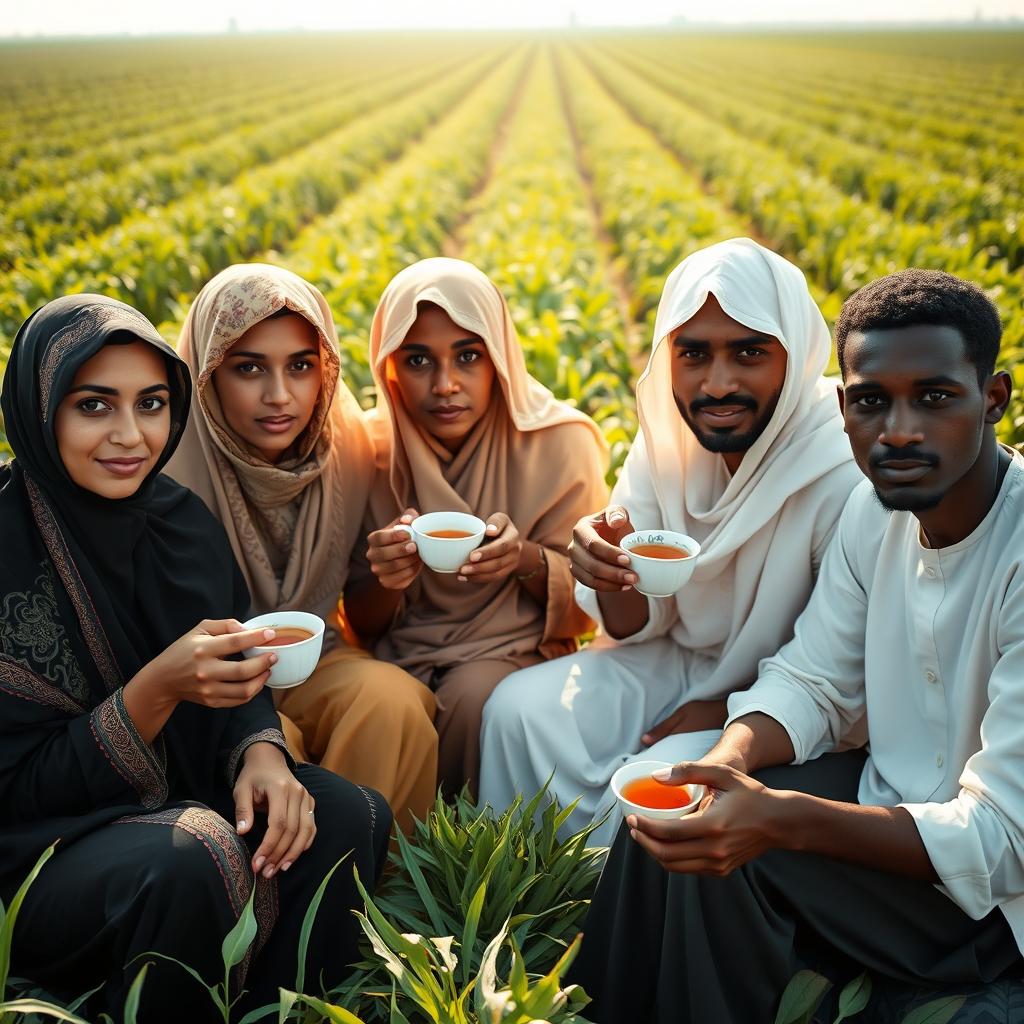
938,1011
237,941
854,997
802,996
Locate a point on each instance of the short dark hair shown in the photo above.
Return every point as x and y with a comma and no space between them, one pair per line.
916,296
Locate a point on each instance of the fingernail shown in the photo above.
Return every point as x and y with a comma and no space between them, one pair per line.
475,557
268,871
269,634
646,738
623,559
462,579
662,774
258,863
627,588
630,578
632,833
242,823
273,659
491,529
631,820
410,548
286,865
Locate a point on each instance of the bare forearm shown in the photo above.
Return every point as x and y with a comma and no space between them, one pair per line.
624,614
370,608
147,709
883,838
533,564
752,742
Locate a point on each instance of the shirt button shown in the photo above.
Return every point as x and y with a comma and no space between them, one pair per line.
938,761
929,571
930,676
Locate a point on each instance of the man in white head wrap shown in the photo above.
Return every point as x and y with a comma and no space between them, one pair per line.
741,447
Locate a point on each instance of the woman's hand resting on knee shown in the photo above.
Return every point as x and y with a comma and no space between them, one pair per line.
266,783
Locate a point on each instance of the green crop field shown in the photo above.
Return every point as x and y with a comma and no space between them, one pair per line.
576,170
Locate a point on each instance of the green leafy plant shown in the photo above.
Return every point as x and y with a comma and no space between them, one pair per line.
468,873
806,992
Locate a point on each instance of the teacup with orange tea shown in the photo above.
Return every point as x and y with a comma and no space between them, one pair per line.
298,641
445,540
663,560
638,792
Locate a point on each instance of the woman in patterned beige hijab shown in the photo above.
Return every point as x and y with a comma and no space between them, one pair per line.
278,449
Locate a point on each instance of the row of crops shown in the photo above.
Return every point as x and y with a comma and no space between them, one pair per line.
575,171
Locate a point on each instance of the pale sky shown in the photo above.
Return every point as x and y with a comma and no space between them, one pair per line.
67,17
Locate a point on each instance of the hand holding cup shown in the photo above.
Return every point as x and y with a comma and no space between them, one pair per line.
596,559
498,555
393,555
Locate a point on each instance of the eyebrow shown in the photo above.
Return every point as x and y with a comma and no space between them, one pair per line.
261,355
753,339
921,382
415,346
100,389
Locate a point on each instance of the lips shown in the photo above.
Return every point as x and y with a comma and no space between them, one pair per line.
123,467
448,413
902,471
723,415
276,424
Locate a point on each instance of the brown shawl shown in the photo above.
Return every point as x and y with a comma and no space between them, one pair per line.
303,514
535,458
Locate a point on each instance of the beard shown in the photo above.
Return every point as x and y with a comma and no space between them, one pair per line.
910,501
726,440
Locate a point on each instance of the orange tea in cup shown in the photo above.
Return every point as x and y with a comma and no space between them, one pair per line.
659,551
286,635
648,792
450,534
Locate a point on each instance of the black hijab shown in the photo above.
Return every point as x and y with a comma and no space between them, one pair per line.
148,562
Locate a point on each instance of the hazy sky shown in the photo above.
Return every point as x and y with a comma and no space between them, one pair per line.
59,17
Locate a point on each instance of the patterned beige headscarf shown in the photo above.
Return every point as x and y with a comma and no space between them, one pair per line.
291,525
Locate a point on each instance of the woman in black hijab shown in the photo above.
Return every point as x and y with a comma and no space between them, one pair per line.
130,735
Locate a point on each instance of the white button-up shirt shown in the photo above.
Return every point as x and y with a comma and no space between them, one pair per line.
930,641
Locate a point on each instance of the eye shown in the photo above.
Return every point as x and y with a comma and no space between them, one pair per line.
691,355
92,406
151,404
469,355
416,360
936,397
753,352
302,365
248,369
869,401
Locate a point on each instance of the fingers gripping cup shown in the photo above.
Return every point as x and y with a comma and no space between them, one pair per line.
445,539
300,637
638,793
662,560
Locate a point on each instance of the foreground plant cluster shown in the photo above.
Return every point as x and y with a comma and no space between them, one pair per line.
576,172
475,922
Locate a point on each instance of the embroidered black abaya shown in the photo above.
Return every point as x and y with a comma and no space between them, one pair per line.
92,589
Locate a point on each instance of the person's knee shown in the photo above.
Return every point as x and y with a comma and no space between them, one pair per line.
515,701
345,811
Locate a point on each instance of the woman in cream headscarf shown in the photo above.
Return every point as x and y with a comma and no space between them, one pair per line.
278,449
461,426
762,505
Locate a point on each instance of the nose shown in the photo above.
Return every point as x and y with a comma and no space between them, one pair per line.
901,428
276,392
720,380
126,432
444,382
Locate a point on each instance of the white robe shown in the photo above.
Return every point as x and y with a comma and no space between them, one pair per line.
762,531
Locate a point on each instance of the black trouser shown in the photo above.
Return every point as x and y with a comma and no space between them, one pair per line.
173,882
663,948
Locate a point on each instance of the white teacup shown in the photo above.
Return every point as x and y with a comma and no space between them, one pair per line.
295,661
445,554
643,770
660,577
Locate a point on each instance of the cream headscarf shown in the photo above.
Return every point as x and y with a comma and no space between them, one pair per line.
759,528
292,525
531,456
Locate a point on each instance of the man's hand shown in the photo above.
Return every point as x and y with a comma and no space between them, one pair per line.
596,559
694,716
737,821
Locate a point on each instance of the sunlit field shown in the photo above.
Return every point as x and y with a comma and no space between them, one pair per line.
575,170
